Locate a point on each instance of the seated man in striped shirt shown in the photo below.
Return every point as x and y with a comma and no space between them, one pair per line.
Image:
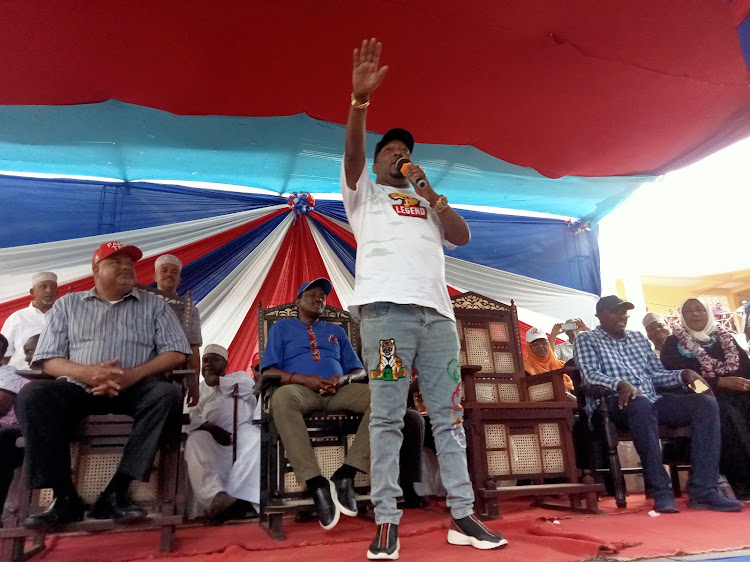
109,348
623,361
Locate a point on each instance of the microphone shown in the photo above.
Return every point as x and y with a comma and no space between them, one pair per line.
401,164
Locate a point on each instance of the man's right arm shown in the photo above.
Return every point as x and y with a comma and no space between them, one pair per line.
366,76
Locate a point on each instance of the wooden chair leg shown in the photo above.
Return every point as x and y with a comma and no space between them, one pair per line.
273,524
610,433
674,474
167,538
591,498
491,509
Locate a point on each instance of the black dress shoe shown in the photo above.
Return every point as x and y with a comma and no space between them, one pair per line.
111,505
327,508
62,511
346,497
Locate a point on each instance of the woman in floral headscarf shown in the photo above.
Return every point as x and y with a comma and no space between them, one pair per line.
699,344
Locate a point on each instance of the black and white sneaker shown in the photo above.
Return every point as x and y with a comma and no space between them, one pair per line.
470,531
385,545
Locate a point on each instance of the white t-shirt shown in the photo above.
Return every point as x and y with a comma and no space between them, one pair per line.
18,328
399,247
564,351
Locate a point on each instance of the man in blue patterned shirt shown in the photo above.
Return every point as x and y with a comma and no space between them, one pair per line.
624,362
108,348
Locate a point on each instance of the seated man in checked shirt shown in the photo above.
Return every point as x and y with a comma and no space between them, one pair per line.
623,361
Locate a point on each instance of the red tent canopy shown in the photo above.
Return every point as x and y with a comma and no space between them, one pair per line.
579,87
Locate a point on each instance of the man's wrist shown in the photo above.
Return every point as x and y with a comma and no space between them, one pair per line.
439,204
360,101
360,98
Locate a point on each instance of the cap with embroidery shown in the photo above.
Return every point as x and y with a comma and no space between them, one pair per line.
533,334
167,258
43,276
110,248
217,349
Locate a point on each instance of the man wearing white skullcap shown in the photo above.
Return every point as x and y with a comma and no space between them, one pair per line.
657,330
218,482
29,321
168,276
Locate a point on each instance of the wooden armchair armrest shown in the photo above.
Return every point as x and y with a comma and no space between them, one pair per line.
469,370
266,382
597,391
179,375
34,375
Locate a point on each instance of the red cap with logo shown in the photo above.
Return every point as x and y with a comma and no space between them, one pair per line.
109,248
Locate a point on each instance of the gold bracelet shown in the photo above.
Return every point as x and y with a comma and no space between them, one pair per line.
441,204
357,105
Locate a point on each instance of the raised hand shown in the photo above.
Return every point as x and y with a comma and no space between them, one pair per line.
366,76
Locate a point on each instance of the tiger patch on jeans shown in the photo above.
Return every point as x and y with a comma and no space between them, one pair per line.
389,367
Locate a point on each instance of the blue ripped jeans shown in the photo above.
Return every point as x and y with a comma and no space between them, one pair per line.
424,339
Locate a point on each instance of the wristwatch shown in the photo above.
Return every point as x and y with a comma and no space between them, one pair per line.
441,204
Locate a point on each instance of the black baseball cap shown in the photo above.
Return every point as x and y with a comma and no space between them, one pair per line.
321,282
395,134
611,302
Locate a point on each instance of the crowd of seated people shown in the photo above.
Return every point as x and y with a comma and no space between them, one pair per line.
316,364
121,373
663,385
647,393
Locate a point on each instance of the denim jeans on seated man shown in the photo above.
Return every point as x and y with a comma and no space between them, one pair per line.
642,418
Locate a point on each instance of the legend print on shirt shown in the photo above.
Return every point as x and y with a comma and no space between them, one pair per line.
408,206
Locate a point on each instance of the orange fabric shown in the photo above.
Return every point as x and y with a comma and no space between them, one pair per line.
535,365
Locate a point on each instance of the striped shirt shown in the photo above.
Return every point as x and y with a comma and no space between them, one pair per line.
606,361
86,329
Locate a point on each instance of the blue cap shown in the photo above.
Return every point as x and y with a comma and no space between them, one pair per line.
321,282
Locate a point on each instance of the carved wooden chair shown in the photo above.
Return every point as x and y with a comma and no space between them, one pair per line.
517,427
95,454
331,433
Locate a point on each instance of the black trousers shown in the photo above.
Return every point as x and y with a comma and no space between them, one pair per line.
411,448
734,407
11,458
49,411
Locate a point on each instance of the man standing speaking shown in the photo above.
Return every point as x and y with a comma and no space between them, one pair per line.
406,313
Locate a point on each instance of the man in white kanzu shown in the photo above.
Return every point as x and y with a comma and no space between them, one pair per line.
406,314
29,321
217,480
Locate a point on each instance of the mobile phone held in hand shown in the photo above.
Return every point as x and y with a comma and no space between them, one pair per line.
698,386
569,326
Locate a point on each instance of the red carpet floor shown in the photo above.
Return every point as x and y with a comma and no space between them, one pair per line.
534,534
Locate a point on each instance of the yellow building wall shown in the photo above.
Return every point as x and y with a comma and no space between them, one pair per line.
665,300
